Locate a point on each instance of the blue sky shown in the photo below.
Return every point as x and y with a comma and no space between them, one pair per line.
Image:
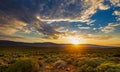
89,21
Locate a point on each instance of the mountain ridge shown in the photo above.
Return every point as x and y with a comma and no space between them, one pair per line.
47,44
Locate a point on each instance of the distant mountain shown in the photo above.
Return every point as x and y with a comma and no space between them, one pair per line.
12,43
48,44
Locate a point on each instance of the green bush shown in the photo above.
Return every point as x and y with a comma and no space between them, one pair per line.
89,65
21,66
50,59
108,67
60,64
93,62
86,68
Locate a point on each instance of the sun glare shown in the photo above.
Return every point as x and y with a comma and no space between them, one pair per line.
74,40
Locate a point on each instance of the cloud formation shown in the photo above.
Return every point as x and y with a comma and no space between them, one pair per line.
9,28
109,28
115,2
103,7
97,37
71,11
53,18
117,13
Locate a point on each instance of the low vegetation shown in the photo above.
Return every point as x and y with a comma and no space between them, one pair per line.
21,59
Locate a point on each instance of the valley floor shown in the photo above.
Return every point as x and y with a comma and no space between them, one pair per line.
71,59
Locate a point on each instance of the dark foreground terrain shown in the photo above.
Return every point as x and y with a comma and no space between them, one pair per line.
68,59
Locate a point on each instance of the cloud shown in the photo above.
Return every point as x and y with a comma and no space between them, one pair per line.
97,37
59,20
84,28
109,28
103,7
13,20
49,31
14,15
80,36
115,2
9,28
91,9
64,10
117,14
11,37
22,15
71,11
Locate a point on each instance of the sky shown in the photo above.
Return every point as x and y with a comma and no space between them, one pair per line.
61,21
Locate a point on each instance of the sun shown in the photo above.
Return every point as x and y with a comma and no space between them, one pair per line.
73,40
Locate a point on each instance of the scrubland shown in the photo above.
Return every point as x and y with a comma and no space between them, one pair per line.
33,59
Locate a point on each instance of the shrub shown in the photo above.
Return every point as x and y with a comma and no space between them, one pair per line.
94,62
36,65
86,68
50,59
108,67
11,61
60,64
21,66
117,54
89,65
3,68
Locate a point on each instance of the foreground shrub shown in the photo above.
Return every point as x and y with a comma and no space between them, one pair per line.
93,62
89,65
108,67
60,64
21,66
86,68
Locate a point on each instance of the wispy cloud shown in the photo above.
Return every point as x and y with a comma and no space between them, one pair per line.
115,2
103,7
97,37
117,13
53,19
82,12
9,28
109,28
84,28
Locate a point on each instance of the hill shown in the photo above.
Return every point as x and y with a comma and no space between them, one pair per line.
48,44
